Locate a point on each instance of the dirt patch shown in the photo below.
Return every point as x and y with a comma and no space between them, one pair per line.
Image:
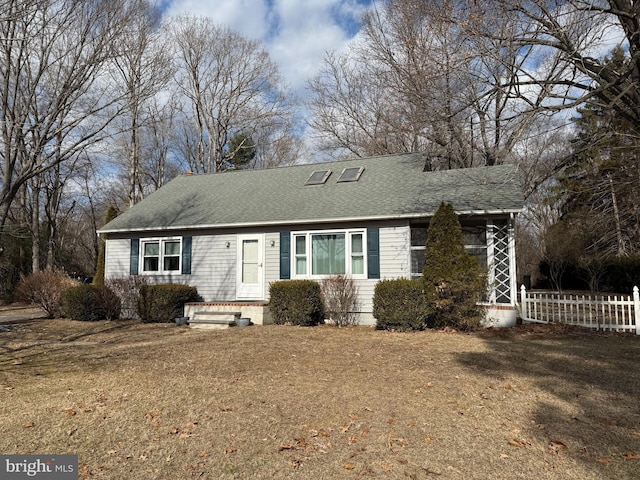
158,401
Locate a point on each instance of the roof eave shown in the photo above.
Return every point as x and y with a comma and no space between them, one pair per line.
218,226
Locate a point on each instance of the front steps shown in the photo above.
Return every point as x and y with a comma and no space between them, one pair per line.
214,320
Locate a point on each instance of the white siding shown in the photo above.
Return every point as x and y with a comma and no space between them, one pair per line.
394,263
117,256
213,266
395,252
271,260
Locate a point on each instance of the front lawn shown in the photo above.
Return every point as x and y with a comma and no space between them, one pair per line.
149,401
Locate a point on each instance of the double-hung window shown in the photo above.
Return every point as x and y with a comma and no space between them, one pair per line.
320,254
161,255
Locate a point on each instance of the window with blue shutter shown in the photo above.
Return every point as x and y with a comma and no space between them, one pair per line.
134,257
373,252
186,255
285,255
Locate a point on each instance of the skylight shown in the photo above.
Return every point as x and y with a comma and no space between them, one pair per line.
318,177
351,174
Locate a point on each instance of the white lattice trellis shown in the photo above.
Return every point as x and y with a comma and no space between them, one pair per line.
501,264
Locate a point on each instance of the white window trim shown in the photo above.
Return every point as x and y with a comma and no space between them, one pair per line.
348,253
161,241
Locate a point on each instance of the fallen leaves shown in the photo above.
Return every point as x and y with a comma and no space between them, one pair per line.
556,447
180,433
517,443
300,443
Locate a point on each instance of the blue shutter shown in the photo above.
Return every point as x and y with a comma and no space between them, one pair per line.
186,255
134,257
373,252
285,255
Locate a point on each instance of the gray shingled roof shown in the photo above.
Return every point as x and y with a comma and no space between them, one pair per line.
392,186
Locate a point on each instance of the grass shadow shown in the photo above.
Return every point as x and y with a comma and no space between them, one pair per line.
588,387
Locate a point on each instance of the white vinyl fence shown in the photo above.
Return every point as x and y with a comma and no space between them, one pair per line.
605,312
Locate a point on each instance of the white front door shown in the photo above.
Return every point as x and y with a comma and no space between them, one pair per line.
250,285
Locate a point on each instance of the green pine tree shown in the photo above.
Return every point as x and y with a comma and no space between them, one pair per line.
98,279
454,282
242,149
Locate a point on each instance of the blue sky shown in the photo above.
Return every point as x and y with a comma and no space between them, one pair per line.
297,33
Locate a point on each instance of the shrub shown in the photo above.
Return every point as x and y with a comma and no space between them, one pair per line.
89,303
296,302
340,299
128,291
454,282
163,303
400,304
45,290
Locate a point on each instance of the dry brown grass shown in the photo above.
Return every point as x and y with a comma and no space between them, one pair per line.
138,401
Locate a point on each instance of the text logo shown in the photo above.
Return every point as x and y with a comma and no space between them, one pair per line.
49,467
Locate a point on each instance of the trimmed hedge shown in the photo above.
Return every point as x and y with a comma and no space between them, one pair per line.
400,304
296,302
163,303
89,303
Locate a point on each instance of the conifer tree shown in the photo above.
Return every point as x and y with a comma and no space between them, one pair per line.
454,282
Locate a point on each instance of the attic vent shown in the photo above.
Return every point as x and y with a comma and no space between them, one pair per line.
318,177
351,174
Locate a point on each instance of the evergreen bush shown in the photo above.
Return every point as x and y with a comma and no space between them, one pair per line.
89,303
163,303
296,302
453,280
400,304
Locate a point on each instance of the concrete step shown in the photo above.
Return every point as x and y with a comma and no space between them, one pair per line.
214,320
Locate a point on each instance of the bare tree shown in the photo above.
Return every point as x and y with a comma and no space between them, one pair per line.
570,39
54,97
231,86
143,68
418,80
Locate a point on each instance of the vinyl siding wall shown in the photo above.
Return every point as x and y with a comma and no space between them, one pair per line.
213,264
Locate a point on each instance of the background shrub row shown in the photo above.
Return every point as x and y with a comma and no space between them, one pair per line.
60,296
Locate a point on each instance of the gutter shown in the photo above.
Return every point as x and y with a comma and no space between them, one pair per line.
510,212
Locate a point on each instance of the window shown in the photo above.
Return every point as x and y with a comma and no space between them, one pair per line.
319,254
475,236
171,258
318,177
301,255
351,174
161,255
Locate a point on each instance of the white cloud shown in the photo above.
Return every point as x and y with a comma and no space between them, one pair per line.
247,17
296,33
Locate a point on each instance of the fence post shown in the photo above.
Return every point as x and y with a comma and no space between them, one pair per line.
636,309
523,302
